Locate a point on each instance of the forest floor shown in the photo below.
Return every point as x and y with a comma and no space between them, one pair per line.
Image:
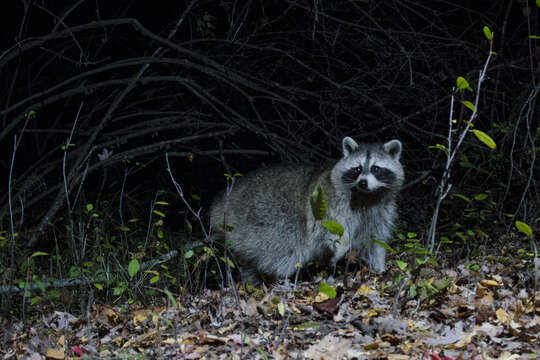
481,312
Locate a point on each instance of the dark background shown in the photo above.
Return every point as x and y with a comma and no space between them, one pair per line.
226,86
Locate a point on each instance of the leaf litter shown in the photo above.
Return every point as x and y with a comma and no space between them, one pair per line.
485,314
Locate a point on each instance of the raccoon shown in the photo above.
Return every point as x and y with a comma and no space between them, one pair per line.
268,220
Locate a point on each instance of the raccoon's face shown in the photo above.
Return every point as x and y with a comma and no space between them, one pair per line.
369,167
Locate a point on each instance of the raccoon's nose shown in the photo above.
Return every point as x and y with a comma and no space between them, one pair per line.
362,184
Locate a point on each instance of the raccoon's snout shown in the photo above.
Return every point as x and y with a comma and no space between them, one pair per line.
362,184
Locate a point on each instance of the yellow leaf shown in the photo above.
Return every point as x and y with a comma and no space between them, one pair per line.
363,290
503,316
54,354
139,319
489,283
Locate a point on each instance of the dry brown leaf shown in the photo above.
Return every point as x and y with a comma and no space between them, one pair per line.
372,346
364,290
330,347
503,316
54,354
490,283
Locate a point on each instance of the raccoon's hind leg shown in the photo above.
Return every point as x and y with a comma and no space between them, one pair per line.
250,275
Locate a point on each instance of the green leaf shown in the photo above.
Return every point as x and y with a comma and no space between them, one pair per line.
411,235
318,203
402,265
188,254
334,227
467,165
117,291
171,298
281,309
35,300
441,284
440,147
159,213
538,3
38,253
98,286
487,33
485,138
308,325
468,104
480,197
462,197
40,285
160,233
534,37
246,340
133,267
384,245
89,207
328,290
154,279
524,228
162,203
462,84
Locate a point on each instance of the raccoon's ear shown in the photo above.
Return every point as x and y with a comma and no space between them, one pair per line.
349,146
393,147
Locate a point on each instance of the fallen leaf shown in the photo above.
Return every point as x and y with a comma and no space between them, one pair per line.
503,316
330,347
364,290
54,354
489,283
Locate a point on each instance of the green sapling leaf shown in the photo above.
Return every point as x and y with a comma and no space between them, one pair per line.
468,104
384,245
133,267
485,138
39,253
487,33
318,203
462,84
171,298
334,227
159,213
480,197
440,147
402,265
524,228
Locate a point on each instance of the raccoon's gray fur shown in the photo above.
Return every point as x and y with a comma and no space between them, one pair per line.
269,220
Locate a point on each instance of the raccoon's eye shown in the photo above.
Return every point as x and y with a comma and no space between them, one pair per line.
375,169
358,170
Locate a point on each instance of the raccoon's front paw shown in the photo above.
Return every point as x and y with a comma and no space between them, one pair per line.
378,268
377,264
